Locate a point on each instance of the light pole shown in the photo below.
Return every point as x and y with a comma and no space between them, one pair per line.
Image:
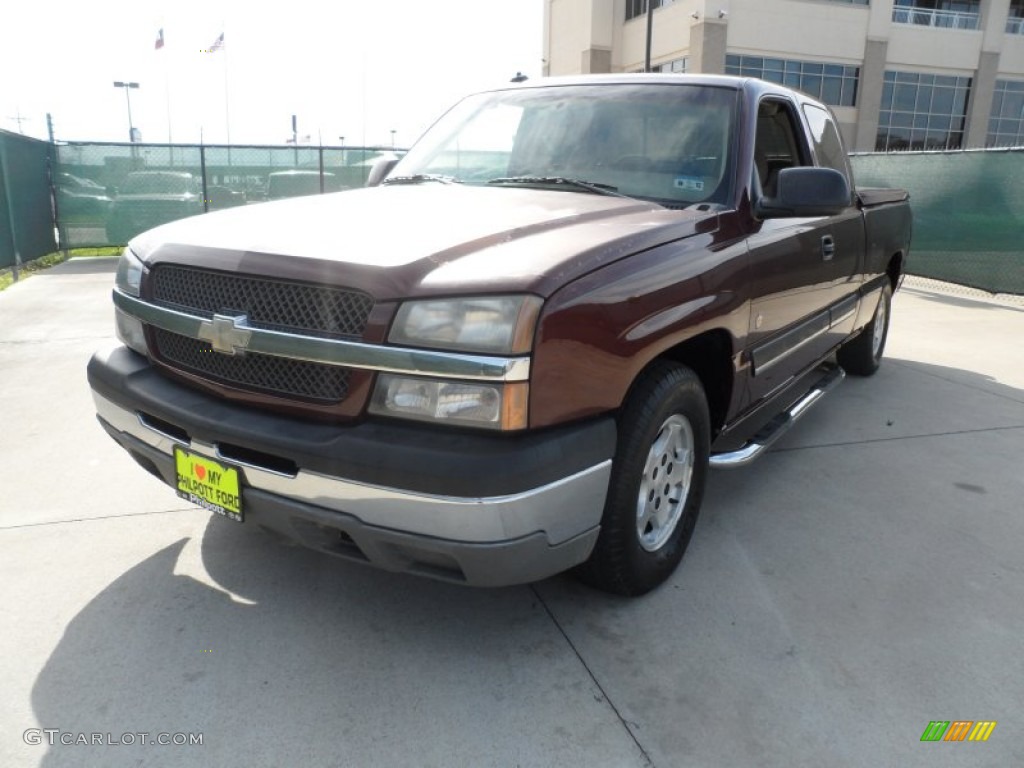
650,32
128,97
393,132
295,139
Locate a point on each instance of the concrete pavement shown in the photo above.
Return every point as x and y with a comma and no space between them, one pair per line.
861,580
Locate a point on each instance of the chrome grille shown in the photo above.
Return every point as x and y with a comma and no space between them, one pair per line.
314,310
289,307
255,372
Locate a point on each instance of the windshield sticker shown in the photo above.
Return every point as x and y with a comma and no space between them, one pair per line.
689,182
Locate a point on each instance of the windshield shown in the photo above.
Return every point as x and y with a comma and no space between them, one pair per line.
668,143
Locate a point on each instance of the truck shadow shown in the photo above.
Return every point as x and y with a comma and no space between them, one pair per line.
271,651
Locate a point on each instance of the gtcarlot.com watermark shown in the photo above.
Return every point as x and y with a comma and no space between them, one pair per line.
55,736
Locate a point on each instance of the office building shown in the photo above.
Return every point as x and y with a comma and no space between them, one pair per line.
900,74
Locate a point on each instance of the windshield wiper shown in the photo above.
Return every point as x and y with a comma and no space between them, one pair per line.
588,186
419,178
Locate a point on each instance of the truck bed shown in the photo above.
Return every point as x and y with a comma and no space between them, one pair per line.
870,197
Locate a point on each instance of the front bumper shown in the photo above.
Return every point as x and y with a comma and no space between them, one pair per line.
480,509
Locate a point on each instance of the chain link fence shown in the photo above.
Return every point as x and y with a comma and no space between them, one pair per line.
968,213
968,205
108,193
26,224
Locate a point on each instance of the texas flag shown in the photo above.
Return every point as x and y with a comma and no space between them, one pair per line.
218,44
159,40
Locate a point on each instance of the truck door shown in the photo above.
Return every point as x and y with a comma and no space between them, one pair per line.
847,229
796,270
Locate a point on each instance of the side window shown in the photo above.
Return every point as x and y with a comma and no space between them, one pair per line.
827,145
776,145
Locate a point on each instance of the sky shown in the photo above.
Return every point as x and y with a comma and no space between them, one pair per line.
345,68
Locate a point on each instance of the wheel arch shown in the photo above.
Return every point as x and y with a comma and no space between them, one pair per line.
894,269
709,355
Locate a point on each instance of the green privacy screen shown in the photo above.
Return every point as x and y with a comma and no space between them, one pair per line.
968,206
108,193
968,213
26,222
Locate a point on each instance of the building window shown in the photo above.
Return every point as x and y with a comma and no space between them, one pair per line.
946,14
1006,123
922,112
835,84
1015,21
676,66
851,2
636,8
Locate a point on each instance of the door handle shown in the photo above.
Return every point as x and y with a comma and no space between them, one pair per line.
828,248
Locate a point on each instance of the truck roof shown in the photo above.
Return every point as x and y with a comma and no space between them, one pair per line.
752,86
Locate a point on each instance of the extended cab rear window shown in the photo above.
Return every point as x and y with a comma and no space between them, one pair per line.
828,147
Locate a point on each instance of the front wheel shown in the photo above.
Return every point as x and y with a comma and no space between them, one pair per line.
657,482
862,355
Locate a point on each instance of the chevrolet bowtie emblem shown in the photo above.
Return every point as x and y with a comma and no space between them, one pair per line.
226,334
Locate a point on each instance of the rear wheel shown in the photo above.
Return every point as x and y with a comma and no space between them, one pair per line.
862,355
657,482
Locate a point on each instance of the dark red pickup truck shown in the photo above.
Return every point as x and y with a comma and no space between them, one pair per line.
522,351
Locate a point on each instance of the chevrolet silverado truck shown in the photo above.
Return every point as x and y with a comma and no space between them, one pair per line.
522,349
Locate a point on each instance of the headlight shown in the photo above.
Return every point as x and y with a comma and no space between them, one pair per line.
489,325
128,280
473,404
129,273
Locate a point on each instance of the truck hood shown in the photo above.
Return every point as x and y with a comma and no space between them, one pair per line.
428,239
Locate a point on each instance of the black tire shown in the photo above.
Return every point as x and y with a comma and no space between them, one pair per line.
665,413
862,355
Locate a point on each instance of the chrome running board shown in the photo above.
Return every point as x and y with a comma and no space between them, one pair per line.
778,426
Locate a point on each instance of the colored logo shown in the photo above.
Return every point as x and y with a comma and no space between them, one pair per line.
958,730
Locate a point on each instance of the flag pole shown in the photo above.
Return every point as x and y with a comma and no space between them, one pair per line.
167,86
227,108
167,90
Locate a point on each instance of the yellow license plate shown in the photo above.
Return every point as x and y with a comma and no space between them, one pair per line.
208,484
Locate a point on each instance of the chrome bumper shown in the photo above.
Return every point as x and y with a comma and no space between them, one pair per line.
490,540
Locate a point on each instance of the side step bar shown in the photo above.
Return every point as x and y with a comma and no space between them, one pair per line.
778,426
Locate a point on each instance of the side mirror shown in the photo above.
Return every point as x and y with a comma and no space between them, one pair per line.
807,192
380,169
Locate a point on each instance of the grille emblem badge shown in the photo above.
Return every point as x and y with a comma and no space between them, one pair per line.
226,334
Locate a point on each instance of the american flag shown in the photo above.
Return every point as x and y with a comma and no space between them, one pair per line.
218,44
